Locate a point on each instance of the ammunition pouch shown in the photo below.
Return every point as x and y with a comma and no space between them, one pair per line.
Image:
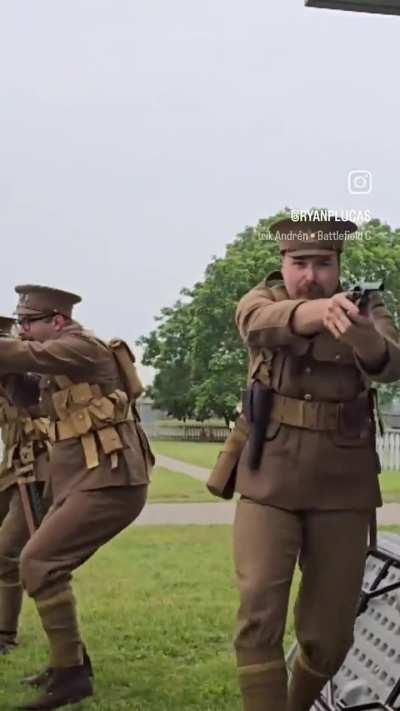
84,412
8,413
24,438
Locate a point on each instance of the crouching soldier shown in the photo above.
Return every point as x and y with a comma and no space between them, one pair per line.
99,468
24,482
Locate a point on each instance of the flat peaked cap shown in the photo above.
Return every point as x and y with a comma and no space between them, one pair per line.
6,324
311,237
35,300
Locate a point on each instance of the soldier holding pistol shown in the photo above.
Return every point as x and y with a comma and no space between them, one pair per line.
309,493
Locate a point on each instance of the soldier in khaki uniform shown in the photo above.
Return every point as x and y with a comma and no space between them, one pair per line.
25,452
316,485
99,469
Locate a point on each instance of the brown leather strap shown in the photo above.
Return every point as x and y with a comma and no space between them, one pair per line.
90,451
238,436
26,505
63,381
310,414
373,532
376,410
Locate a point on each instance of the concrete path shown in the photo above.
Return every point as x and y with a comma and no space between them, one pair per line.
176,465
186,514
389,514
219,513
223,513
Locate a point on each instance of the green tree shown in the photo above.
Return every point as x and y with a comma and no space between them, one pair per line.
168,350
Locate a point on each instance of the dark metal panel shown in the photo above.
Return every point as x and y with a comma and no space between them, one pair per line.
386,7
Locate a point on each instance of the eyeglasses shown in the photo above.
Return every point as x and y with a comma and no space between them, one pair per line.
29,319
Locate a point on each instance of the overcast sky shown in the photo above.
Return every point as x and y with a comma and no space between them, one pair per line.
137,138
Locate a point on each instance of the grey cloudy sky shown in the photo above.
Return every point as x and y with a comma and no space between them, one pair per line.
137,138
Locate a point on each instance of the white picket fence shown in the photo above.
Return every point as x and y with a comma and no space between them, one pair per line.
388,447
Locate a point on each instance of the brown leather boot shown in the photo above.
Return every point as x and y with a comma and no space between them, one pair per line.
40,679
264,686
66,686
305,685
10,608
43,677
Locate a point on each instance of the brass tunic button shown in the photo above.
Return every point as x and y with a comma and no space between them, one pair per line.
307,396
338,356
307,370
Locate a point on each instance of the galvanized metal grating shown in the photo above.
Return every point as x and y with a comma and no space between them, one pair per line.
370,676
373,567
374,660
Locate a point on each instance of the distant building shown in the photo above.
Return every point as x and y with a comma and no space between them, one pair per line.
147,413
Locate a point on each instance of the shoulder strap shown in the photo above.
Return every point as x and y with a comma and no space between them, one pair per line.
63,381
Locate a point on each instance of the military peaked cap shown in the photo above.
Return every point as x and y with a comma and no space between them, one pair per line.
308,237
37,300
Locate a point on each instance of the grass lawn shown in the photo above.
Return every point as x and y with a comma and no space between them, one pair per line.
390,484
157,607
173,487
204,454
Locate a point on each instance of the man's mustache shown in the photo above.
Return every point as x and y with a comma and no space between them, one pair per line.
311,291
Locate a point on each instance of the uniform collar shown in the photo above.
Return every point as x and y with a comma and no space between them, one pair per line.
275,278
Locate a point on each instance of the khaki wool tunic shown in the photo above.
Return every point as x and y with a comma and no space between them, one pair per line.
304,469
80,356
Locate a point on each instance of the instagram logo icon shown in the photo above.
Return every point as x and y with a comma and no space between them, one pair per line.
359,182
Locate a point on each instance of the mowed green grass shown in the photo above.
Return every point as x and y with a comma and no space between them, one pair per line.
390,485
172,487
158,607
205,455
